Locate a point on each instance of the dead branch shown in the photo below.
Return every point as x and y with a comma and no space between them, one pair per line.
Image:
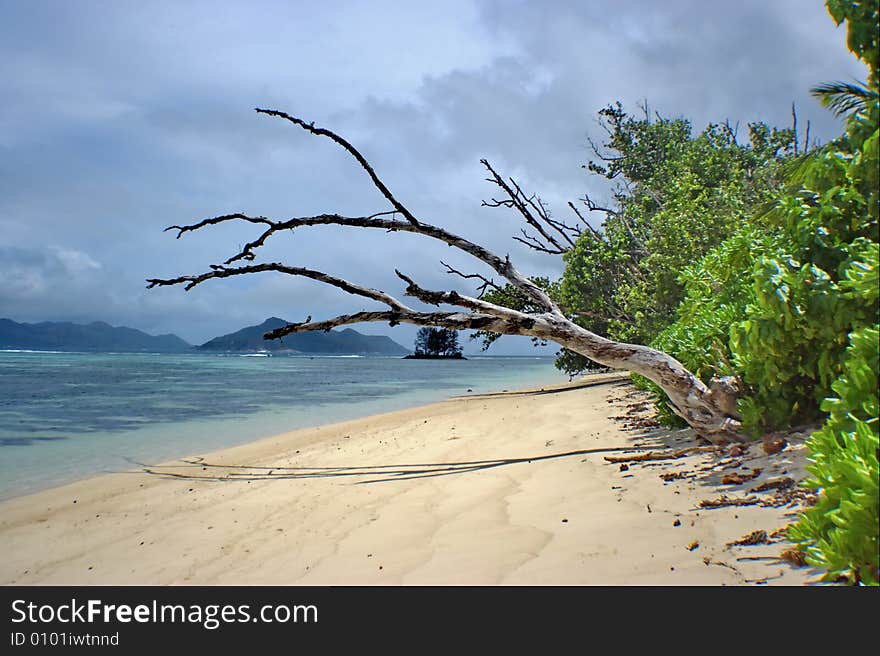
487,283
595,233
321,132
454,320
706,410
532,210
219,271
652,455
454,298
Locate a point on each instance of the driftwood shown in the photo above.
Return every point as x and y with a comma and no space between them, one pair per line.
662,455
709,409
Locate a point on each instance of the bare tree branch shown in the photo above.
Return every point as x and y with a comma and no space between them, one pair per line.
322,132
535,244
454,320
487,283
709,409
595,233
502,266
598,153
518,200
454,298
543,213
218,271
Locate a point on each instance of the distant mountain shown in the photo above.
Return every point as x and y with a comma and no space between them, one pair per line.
96,336
342,342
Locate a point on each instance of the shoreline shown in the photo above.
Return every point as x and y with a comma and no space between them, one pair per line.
496,488
71,452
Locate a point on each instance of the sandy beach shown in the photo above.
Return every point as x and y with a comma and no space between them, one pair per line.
506,488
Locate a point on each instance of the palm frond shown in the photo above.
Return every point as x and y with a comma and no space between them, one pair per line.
842,98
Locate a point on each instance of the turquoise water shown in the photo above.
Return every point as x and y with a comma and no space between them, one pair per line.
65,416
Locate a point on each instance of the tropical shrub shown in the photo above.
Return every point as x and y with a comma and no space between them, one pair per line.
789,305
840,533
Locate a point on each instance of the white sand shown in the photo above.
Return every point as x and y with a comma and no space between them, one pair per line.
510,488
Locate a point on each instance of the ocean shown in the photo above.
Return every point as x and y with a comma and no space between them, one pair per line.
67,416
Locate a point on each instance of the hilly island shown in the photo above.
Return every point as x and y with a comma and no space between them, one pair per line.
334,342
102,337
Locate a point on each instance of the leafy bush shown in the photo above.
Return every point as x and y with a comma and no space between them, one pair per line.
683,194
813,283
841,532
789,304
792,285
717,291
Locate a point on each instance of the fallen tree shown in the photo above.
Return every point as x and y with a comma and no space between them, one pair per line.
710,410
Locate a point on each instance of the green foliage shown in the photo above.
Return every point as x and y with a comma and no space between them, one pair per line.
814,282
789,305
717,289
682,196
862,19
843,98
841,532
755,262
792,284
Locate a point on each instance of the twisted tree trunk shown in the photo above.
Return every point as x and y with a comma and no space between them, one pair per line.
710,410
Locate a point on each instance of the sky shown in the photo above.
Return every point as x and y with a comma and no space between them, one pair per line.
121,117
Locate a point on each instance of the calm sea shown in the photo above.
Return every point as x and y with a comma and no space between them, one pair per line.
65,416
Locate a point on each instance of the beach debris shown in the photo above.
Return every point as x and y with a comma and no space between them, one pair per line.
793,556
564,520
693,545
724,501
773,443
779,533
775,484
755,537
736,450
674,476
737,478
652,455
786,494
677,522
624,467
707,560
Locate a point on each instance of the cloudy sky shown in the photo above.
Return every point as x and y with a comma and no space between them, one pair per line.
122,117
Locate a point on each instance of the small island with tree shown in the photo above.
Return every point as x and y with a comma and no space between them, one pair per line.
436,344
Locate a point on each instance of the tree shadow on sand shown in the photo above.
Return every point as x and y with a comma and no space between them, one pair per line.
198,469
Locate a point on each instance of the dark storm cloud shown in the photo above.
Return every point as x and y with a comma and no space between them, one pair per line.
120,118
